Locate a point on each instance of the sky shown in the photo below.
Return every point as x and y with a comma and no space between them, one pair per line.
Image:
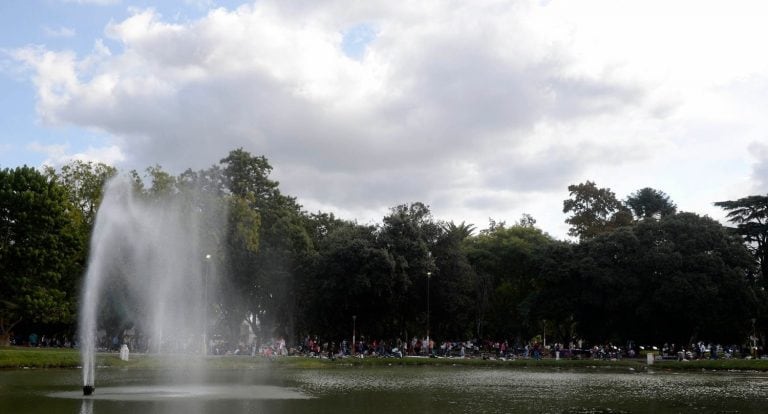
482,109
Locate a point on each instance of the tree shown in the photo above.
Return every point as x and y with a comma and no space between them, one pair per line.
241,241
267,277
697,271
39,248
750,215
161,182
352,275
677,279
594,211
452,284
260,243
507,262
229,231
247,176
648,203
557,291
85,183
526,220
409,233
458,232
607,286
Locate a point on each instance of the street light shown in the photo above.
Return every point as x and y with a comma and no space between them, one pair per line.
206,276
429,350
354,319
754,339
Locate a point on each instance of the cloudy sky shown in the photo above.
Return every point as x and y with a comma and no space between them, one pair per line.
480,109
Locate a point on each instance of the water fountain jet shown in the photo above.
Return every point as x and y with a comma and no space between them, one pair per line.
147,256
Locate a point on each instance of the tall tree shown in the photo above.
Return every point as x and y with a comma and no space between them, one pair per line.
698,272
241,242
352,275
458,232
526,220
268,276
507,262
39,248
161,182
247,176
750,215
229,230
409,233
648,203
677,279
594,210
556,295
452,285
85,183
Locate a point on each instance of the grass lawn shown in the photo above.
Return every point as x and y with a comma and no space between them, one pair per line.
22,357
19,357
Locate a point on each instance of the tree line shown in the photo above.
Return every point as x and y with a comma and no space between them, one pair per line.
637,268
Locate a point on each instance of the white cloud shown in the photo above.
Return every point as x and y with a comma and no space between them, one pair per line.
57,155
480,109
55,78
760,168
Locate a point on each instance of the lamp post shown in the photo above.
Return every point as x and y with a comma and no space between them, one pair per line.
429,349
206,276
354,319
754,339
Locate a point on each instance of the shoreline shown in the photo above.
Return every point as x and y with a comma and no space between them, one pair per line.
50,358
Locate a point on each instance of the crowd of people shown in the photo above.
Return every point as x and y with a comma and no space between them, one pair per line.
313,346
45,341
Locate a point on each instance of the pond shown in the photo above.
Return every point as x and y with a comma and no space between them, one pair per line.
441,389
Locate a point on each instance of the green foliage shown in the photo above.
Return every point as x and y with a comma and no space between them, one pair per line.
677,279
594,211
661,276
266,277
750,215
352,275
247,176
648,203
409,233
39,249
161,182
458,232
507,262
244,223
84,182
452,285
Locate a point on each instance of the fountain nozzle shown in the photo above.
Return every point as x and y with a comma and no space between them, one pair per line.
88,389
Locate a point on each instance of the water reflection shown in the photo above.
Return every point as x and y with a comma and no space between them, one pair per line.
389,389
555,391
86,407
180,399
187,392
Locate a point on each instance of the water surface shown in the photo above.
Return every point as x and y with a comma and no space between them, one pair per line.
444,389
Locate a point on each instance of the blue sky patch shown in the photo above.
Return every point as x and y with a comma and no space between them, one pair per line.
356,39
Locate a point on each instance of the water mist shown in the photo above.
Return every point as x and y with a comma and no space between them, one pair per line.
151,259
